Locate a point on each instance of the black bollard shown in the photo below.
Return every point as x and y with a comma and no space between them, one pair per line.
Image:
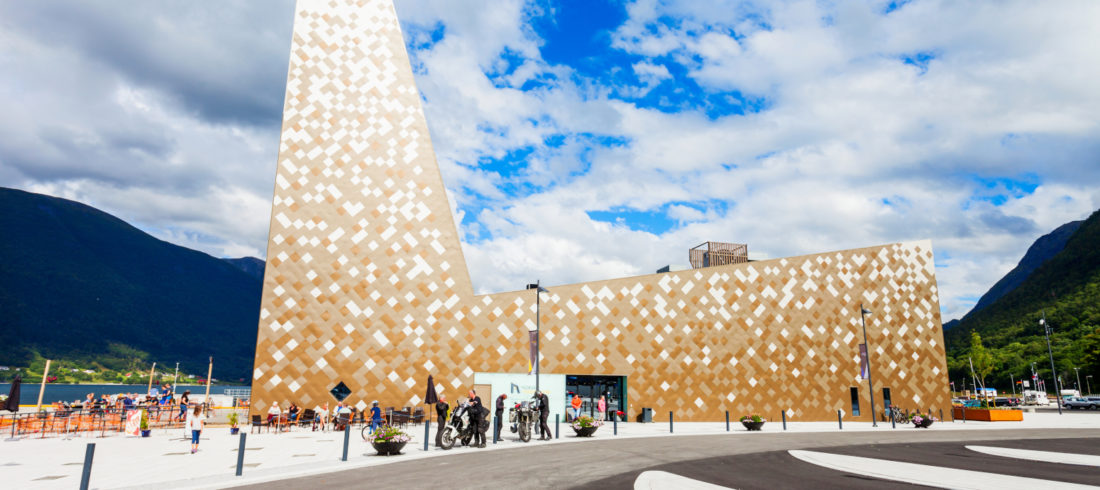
347,439
496,432
240,456
86,476
557,426
727,420
941,415
964,413
784,415
839,423
615,424
427,432
893,420
670,421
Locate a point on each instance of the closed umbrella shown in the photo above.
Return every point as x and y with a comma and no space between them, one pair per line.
12,404
431,398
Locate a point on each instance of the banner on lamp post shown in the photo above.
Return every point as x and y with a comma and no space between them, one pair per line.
864,366
533,337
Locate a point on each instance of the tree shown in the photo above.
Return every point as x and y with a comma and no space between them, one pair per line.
983,360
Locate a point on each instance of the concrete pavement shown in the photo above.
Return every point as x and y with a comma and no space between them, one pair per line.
164,460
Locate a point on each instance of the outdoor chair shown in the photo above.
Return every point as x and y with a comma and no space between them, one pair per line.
307,416
418,416
258,422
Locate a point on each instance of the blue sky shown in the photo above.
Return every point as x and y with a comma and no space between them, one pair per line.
582,140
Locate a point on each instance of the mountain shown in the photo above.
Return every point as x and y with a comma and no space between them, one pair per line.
1043,249
78,283
1066,290
250,265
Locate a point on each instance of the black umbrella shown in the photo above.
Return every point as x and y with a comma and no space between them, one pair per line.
12,404
431,398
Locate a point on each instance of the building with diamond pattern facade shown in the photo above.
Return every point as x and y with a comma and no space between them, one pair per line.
366,283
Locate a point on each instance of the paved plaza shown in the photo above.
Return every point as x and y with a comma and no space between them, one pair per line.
164,460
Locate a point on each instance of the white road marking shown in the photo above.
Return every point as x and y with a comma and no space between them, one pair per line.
933,476
661,480
1045,456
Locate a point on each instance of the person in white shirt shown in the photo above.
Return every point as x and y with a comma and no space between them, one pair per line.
195,421
274,412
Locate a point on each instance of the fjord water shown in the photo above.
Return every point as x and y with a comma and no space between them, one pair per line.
28,394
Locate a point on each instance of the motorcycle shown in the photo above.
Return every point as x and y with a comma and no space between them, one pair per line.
460,427
522,417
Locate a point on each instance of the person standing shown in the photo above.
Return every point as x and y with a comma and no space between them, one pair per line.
185,401
476,418
601,407
195,421
544,413
441,409
499,418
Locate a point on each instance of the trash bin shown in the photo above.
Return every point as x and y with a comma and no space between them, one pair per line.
647,415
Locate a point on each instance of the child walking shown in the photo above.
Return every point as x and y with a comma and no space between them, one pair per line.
195,422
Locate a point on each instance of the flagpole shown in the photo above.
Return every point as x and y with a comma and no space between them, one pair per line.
174,377
209,372
42,387
151,373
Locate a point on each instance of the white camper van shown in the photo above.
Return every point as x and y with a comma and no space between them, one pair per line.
1034,397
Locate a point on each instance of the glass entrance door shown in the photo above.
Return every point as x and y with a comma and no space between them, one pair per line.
590,388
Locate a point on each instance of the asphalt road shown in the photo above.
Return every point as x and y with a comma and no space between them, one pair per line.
778,469
613,463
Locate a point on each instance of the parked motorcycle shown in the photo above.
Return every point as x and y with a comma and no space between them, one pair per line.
460,427
523,417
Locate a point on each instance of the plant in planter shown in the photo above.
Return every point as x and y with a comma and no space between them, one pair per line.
585,426
753,422
233,419
922,421
389,440
145,423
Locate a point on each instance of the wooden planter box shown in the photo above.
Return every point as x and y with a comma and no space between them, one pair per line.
984,415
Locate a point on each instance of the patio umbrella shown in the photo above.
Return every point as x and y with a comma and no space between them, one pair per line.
12,404
431,398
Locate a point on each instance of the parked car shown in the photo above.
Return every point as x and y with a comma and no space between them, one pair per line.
1081,403
1004,402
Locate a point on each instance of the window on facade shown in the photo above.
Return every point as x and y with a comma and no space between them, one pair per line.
855,401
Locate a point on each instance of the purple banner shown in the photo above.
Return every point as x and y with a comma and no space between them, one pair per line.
864,366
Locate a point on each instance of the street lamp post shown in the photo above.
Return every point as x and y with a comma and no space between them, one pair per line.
1013,383
1053,372
1088,386
870,383
538,317
1078,373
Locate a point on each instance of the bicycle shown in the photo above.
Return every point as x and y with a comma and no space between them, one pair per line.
896,414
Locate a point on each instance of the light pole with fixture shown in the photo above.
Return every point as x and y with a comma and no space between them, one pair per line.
867,356
538,316
1088,386
1078,373
1053,373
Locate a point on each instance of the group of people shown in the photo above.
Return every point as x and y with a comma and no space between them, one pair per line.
575,407
479,414
157,400
322,418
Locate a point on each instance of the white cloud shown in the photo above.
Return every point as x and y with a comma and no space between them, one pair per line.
848,145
